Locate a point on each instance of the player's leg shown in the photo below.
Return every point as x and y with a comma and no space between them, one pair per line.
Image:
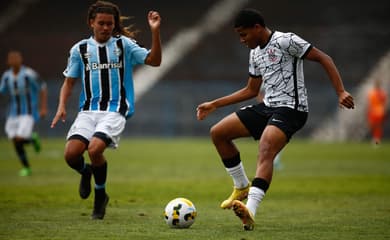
99,168
378,129
282,124
108,129
36,142
18,143
271,142
250,121
372,123
74,150
223,133
78,138
19,129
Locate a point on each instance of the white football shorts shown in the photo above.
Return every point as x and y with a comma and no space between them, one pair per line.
19,126
89,122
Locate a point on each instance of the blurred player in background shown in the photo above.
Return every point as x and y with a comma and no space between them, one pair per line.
28,102
104,63
376,111
276,61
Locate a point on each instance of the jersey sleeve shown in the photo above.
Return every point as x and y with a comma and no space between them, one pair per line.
3,84
41,84
73,68
138,54
295,45
253,69
33,78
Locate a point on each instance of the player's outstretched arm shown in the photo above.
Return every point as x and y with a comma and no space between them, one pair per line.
345,98
155,55
250,91
65,92
43,102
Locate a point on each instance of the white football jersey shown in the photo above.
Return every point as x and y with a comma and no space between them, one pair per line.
280,65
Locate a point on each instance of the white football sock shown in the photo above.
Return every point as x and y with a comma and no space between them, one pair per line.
240,179
255,196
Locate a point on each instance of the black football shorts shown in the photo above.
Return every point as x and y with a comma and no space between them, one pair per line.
256,117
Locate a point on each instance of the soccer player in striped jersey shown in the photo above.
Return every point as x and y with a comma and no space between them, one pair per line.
26,92
276,61
104,63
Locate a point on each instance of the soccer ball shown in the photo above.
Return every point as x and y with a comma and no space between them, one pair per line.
180,213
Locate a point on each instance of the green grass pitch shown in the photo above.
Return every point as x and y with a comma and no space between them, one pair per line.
324,191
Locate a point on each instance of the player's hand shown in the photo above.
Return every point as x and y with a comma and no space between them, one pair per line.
346,100
154,20
204,109
61,114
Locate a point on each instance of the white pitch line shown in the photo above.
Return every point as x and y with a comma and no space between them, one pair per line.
176,49
14,11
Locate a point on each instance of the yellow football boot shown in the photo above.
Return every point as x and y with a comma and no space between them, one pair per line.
237,194
248,221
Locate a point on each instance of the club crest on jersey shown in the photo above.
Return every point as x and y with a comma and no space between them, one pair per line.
271,55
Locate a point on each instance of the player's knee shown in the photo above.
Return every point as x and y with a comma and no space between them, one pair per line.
74,150
215,133
95,152
71,156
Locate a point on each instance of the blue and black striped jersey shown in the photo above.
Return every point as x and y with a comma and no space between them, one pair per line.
23,90
106,73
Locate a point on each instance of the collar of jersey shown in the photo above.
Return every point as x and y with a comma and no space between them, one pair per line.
100,44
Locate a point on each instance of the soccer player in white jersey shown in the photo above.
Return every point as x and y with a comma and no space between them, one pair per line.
28,102
276,61
104,64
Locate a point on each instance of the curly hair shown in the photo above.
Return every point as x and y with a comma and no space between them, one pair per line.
111,8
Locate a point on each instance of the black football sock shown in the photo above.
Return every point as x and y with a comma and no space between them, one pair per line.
261,184
232,162
100,176
78,165
19,147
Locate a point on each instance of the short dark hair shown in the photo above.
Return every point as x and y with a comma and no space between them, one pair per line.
248,18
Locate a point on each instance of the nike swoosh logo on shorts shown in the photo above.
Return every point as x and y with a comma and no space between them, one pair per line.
276,120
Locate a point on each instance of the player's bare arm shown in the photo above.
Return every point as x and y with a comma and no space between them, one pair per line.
43,102
155,55
66,91
345,98
250,91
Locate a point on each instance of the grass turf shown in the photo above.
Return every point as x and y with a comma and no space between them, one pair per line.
323,191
